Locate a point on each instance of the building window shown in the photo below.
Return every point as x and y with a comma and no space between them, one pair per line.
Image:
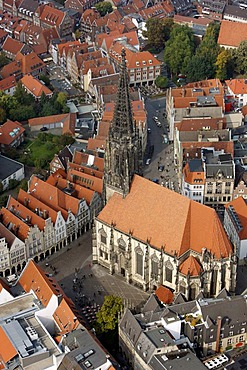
103,239
168,272
231,333
154,269
242,330
229,341
241,338
139,264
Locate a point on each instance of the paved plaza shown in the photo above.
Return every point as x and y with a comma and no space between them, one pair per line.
87,284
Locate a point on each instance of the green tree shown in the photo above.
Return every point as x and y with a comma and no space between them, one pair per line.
62,98
77,34
22,96
3,115
158,32
3,60
22,113
104,7
107,317
23,185
224,65
179,49
162,82
13,184
241,58
3,200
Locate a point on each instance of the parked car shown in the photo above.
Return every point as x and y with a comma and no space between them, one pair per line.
159,124
161,168
156,180
44,128
148,161
149,130
155,118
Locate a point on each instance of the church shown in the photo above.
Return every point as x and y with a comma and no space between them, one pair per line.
148,234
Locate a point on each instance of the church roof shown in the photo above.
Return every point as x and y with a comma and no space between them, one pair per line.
166,218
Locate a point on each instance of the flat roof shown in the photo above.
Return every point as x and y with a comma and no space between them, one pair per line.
8,167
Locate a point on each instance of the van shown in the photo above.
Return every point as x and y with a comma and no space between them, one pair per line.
11,278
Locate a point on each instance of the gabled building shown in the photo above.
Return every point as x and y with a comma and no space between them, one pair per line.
11,47
235,13
65,122
60,160
8,85
148,234
193,180
10,170
238,89
13,252
11,135
48,16
232,34
235,226
34,87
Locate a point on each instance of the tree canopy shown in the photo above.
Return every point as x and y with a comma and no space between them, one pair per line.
158,32
107,317
241,58
162,82
23,106
104,7
179,49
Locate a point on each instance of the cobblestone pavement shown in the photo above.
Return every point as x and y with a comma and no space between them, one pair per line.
87,284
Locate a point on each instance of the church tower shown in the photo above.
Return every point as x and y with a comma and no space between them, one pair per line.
123,155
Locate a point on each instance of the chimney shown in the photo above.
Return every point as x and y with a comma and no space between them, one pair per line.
45,214
218,323
220,124
25,202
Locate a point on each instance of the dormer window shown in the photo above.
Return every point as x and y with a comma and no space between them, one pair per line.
150,61
144,62
137,63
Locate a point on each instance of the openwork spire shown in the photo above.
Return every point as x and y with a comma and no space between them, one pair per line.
122,122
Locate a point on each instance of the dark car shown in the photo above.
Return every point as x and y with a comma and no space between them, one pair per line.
156,180
161,168
44,129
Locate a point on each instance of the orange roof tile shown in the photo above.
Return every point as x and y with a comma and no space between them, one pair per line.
198,124
53,197
84,158
32,203
7,350
94,144
15,128
193,177
34,278
240,207
193,148
175,221
164,295
7,83
18,227
69,44
85,179
67,121
190,266
29,62
237,86
232,33
65,317
52,16
85,169
35,87
12,46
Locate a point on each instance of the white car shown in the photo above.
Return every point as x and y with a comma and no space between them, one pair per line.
148,161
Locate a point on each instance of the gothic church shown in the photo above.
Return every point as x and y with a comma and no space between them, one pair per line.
149,234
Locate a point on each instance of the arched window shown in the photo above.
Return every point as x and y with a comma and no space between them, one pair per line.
168,271
154,267
103,236
139,261
182,287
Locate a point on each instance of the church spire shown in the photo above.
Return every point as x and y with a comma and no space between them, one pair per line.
122,122
123,154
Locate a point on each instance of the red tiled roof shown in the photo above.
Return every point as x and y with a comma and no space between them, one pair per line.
237,86
12,46
7,83
194,147
65,317
7,350
198,124
84,179
67,121
164,295
175,221
29,62
34,278
193,177
94,144
84,158
190,266
232,33
18,227
240,207
10,127
35,87
52,16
